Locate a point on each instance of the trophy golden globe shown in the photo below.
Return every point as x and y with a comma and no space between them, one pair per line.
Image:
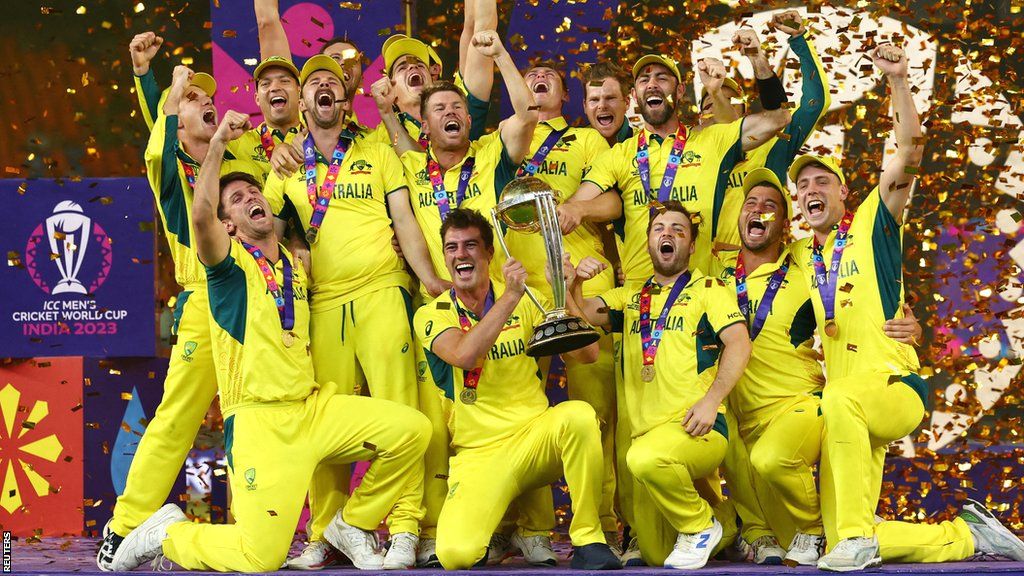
527,205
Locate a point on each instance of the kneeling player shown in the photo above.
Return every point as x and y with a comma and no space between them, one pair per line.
279,423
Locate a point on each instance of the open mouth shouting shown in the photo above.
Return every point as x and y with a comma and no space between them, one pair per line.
464,270
654,100
210,117
256,212
541,87
452,127
605,120
415,79
278,102
667,247
815,207
325,99
756,228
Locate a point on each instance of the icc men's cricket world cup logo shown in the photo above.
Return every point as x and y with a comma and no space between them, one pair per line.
70,240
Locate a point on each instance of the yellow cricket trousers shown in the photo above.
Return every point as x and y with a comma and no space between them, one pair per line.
665,462
862,415
624,483
189,390
484,481
366,340
272,452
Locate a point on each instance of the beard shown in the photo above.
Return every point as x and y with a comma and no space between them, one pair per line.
677,265
329,120
659,117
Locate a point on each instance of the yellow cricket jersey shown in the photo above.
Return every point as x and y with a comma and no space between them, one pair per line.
165,168
686,361
563,169
478,110
709,156
492,169
510,392
352,255
869,292
783,363
150,97
253,364
778,153
250,145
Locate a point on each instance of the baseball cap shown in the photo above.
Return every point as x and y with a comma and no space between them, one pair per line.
828,162
662,59
276,61
434,58
761,176
204,82
726,83
395,48
320,62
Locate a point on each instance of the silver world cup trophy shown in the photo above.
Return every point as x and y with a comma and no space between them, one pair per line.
68,230
528,205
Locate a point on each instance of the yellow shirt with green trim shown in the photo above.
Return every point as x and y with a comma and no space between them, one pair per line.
352,255
687,359
778,153
510,392
783,363
164,159
563,169
250,144
492,170
253,364
150,98
869,292
709,156
478,110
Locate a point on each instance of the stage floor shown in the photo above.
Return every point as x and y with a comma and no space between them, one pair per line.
78,556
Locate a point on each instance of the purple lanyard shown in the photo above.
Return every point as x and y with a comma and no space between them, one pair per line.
650,339
437,184
827,281
283,298
320,198
765,307
190,173
530,166
643,161
471,378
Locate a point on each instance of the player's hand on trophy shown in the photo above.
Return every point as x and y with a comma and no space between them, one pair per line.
143,48
789,22
488,43
700,417
287,159
712,73
515,277
589,267
384,94
890,60
570,216
747,41
906,330
232,126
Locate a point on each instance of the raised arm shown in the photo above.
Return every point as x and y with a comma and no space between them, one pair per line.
273,40
466,349
212,240
179,82
757,128
593,310
410,239
814,90
899,174
143,48
384,95
701,416
476,69
516,130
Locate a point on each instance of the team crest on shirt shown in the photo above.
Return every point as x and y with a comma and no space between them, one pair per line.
259,154
422,178
250,479
690,159
360,167
190,348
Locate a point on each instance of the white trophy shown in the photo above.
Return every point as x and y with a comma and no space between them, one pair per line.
68,230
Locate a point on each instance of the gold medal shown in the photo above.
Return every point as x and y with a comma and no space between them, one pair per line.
468,396
288,338
647,373
831,328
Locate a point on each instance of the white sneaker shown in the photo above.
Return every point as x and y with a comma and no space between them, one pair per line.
612,540
631,557
804,550
852,554
693,550
990,536
499,549
536,550
315,556
767,551
402,553
359,546
426,554
739,551
146,542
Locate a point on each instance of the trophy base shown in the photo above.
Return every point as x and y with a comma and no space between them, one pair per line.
560,334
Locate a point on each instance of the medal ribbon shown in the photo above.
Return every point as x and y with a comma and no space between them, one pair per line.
650,339
437,184
827,281
643,161
765,307
190,173
319,199
530,166
283,298
266,140
471,378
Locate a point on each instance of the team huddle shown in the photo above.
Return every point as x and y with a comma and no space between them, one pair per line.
344,300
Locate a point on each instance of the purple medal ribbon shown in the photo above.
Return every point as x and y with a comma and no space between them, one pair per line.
283,298
437,184
765,307
320,198
643,161
650,339
531,166
471,378
827,281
